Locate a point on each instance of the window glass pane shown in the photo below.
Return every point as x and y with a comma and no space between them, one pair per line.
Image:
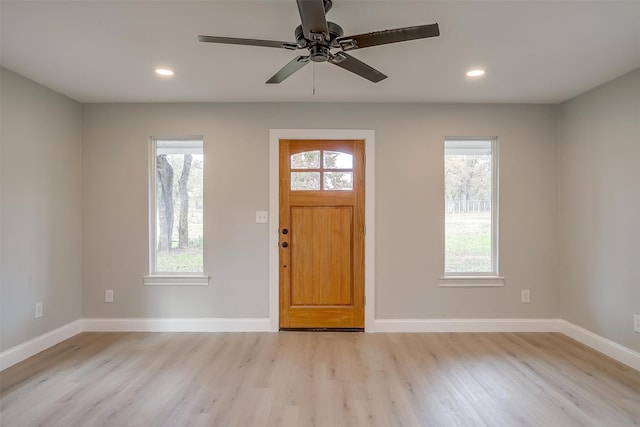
337,160
306,160
468,207
179,207
305,181
338,180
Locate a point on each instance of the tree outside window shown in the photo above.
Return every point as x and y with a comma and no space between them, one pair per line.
470,209
179,211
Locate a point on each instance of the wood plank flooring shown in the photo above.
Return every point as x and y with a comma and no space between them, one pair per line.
319,379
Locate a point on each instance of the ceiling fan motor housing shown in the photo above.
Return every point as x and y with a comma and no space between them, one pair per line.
319,53
319,47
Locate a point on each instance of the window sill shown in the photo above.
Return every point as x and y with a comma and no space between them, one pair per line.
471,281
169,280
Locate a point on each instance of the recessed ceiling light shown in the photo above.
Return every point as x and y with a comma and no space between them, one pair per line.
477,72
164,72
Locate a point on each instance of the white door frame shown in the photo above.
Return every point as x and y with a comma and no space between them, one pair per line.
275,135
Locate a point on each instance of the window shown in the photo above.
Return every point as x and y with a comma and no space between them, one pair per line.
470,192
176,214
335,173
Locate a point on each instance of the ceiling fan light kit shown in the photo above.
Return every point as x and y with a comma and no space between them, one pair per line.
320,37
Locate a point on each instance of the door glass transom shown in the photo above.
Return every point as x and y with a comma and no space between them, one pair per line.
335,173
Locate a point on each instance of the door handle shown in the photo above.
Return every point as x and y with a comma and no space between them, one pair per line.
285,231
285,244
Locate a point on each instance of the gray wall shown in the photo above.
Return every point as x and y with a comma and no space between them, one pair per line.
599,205
40,179
409,205
72,227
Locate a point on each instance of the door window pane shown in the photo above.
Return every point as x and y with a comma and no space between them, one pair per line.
306,160
338,180
337,160
305,181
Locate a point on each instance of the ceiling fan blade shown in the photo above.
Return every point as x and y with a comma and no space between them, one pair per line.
248,42
289,69
377,38
313,18
356,66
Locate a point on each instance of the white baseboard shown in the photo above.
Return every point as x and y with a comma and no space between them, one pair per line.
25,350
612,349
467,325
34,346
178,325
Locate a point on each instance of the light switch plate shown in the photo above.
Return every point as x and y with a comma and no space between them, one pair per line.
262,217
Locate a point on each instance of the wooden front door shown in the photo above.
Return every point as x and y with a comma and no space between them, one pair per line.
321,234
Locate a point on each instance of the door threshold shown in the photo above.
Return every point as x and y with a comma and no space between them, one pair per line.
321,329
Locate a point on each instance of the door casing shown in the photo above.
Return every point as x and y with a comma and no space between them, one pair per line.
369,253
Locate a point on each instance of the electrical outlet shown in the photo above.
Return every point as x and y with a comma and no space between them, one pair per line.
39,312
636,322
525,296
108,295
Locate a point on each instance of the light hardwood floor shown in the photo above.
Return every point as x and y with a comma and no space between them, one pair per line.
319,379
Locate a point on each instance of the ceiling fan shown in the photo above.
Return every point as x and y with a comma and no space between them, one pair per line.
320,36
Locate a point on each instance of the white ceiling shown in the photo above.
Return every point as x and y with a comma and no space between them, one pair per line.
106,51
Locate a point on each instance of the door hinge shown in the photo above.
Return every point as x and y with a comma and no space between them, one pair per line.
365,300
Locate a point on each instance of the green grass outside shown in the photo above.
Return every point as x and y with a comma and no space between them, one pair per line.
467,247
184,260
468,242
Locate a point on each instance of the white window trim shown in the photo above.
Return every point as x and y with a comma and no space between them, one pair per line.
481,279
164,278
176,280
471,281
